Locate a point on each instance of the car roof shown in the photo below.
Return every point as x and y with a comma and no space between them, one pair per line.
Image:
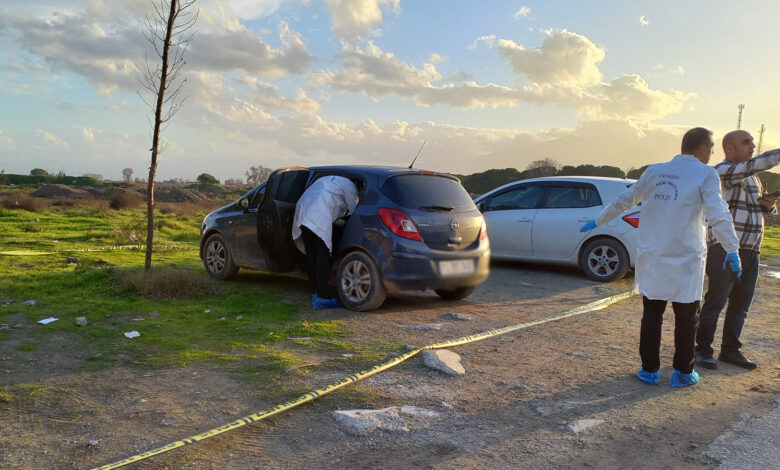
369,169
573,179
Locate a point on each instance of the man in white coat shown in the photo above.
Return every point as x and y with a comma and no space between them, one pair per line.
679,198
327,199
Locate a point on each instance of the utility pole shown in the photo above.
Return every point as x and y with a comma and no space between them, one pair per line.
739,118
760,139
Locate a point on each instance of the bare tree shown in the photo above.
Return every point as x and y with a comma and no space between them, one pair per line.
257,174
127,174
169,30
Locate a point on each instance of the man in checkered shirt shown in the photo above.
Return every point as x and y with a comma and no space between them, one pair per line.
748,202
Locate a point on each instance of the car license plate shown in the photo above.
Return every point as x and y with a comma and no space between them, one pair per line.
456,267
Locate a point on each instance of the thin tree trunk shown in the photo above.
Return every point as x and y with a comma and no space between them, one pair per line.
156,136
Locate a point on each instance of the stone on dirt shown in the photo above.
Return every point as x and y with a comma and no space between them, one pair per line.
583,425
81,321
443,360
422,327
363,422
457,316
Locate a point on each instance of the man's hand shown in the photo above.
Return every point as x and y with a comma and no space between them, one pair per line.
768,201
733,263
588,226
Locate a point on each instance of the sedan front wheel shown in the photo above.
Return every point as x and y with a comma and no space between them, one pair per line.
217,260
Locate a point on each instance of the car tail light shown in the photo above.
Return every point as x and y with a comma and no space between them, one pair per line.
483,229
632,219
400,223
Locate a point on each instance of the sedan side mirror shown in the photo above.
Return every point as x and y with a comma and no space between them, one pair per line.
243,203
481,206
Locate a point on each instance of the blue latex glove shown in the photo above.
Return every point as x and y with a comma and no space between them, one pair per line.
589,226
732,261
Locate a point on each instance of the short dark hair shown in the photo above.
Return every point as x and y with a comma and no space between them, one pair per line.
694,138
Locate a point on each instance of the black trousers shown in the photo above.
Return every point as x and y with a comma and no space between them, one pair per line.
685,316
317,263
724,288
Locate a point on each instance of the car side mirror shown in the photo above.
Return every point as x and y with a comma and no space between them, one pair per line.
243,203
481,206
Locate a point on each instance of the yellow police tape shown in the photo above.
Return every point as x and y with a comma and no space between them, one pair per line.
591,307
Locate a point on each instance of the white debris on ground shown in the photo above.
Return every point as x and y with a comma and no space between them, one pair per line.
457,316
363,421
132,334
81,321
443,360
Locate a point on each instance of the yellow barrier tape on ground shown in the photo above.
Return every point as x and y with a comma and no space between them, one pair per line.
591,307
105,248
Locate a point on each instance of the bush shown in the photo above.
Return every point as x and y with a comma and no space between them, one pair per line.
169,283
125,201
20,200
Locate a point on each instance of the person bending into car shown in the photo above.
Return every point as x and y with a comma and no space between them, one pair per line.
748,202
326,200
676,197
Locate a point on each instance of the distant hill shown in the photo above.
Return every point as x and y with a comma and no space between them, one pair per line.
479,183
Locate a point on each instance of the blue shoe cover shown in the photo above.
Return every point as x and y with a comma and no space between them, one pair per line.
318,303
651,378
683,380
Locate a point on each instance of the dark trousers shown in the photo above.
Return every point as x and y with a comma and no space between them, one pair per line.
724,288
317,263
684,333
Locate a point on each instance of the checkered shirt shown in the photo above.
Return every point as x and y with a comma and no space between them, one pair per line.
741,191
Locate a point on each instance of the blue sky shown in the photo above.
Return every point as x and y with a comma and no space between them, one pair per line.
488,84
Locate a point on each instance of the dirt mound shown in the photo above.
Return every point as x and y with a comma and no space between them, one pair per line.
60,190
179,195
110,193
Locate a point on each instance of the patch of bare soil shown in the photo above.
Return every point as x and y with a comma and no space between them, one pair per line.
509,410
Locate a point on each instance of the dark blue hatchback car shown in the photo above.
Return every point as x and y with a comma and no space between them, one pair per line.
411,230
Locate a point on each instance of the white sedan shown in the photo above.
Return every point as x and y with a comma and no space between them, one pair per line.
539,220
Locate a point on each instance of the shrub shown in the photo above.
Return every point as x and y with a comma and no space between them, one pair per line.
133,231
125,201
20,200
169,283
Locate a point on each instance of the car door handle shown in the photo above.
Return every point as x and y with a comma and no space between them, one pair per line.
524,219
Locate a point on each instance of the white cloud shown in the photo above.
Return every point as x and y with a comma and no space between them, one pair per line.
643,20
564,59
630,97
353,20
51,140
88,133
523,12
680,70
486,40
436,58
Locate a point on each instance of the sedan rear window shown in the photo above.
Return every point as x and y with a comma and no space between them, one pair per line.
428,192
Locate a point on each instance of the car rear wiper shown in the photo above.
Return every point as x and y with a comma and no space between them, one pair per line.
437,208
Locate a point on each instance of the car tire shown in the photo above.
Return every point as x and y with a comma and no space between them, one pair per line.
217,259
359,283
604,260
455,294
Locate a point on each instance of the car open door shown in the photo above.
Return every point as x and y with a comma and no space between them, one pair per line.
275,216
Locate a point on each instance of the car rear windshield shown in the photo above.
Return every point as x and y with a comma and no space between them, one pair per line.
428,192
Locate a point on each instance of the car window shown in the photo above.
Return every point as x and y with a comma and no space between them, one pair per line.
257,198
572,196
290,185
523,197
428,192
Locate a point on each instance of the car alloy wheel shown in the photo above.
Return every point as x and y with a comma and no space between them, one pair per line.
605,260
217,259
359,283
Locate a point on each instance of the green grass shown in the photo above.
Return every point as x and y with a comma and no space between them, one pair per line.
239,326
770,246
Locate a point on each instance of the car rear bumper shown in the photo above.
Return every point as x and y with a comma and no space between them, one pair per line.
407,270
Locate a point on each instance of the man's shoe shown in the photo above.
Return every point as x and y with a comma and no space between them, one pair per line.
706,361
681,379
737,359
319,303
651,378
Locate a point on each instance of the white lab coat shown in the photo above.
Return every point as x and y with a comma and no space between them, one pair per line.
679,198
326,200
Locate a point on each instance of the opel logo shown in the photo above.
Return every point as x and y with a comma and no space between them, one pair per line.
454,225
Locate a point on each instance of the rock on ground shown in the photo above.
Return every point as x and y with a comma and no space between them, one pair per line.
443,360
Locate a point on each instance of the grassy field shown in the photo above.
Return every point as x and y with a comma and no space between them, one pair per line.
771,243
184,317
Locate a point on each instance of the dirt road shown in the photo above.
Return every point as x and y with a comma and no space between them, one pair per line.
510,410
